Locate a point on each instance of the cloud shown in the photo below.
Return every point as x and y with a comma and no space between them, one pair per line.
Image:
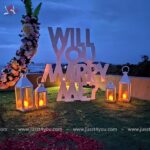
8,46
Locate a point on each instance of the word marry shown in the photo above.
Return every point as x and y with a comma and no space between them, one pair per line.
78,76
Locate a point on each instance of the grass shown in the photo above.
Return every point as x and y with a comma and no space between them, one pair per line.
93,114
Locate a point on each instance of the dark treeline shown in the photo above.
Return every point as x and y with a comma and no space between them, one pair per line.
142,69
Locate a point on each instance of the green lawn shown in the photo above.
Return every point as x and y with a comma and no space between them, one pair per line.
94,114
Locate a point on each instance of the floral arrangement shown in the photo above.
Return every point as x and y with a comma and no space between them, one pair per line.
29,38
48,140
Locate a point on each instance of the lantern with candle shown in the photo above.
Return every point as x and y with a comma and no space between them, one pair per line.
110,92
40,95
24,94
125,86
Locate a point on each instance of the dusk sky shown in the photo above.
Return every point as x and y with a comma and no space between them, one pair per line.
120,29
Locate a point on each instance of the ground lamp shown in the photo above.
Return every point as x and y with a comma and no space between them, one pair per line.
40,95
125,86
24,94
110,92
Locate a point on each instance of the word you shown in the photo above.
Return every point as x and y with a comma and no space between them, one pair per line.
80,70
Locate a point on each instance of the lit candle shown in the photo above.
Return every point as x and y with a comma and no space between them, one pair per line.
41,102
26,104
110,98
124,96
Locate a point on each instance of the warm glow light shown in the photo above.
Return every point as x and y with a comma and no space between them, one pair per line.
76,85
26,104
110,98
41,102
124,96
102,79
19,104
67,87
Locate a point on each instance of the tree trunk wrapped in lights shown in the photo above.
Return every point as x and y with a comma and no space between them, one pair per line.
29,38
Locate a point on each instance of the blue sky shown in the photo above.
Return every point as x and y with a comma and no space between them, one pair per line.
120,29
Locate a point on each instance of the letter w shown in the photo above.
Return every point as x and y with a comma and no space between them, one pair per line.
52,75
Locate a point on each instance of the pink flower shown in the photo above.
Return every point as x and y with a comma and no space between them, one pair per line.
53,140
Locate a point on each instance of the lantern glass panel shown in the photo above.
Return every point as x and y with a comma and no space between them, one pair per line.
18,98
42,99
28,99
110,95
24,98
124,91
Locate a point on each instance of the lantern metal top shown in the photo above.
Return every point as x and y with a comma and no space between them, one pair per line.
125,78
110,85
128,69
41,88
23,82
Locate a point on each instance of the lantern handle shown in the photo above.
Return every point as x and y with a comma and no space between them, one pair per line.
23,74
37,80
128,69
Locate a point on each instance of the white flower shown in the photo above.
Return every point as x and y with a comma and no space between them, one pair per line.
28,29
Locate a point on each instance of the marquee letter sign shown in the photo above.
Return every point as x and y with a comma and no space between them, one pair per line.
77,74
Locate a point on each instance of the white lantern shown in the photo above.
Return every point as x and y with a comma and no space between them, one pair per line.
24,94
40,95
125,86
110,92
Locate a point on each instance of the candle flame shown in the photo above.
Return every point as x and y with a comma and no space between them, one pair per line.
110,98
26,104
124,96
41,102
